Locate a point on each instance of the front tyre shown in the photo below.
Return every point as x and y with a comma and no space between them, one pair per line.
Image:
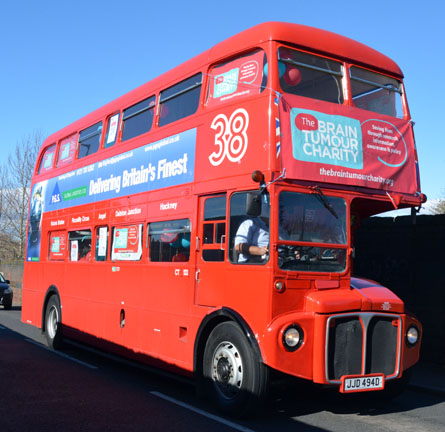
53,327
234,377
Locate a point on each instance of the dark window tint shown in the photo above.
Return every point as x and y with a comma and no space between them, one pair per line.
138,119
310,76
214,229
312,218
89,140
169,241
180,100
80,245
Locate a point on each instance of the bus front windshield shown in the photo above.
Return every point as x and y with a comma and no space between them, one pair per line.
308,225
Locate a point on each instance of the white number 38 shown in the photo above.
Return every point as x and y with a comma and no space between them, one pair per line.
230,137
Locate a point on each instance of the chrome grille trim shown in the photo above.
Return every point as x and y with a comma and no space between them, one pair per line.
365,319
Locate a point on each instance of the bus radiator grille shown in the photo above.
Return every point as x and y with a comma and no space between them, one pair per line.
362,344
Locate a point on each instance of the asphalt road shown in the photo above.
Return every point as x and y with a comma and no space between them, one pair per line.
81,390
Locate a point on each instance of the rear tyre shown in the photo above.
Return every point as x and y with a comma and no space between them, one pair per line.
7,305
53,323
234,378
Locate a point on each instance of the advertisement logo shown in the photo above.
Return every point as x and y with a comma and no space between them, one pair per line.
231,137
327,139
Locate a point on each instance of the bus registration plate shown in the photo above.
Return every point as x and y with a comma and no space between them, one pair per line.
351,384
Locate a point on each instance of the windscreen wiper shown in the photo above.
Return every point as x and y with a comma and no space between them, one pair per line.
322,198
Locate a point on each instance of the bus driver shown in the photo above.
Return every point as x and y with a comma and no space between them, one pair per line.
252,236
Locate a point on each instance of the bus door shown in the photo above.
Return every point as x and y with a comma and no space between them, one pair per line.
211,260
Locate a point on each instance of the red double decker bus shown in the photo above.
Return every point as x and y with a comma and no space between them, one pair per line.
204,221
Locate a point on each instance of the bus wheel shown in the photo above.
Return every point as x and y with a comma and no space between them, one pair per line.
53,329
234,378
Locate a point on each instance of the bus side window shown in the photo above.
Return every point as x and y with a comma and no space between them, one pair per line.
127,243
80,245
57,246
240,77
47,161
112,128
249,224
214,228
180,100
138,118
67,150
101,243
169,241
89,140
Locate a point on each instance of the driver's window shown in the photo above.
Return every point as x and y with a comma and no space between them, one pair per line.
249,228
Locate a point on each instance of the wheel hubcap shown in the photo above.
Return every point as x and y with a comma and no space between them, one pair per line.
53,319
227,369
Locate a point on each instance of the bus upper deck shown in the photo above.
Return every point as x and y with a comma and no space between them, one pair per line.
326,86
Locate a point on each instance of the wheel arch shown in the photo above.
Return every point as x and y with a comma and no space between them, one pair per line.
209,323
52,290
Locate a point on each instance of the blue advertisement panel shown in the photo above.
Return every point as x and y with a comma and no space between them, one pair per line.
164,163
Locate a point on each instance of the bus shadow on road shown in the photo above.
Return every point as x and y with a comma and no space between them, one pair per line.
300,398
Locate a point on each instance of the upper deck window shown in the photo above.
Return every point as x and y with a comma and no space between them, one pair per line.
138,118
180,100
375,92
47,161
112,127
310,76
240,77
89,140
67,150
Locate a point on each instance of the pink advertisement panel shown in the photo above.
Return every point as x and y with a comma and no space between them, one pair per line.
330,143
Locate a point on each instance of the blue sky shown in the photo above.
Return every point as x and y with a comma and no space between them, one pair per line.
61,60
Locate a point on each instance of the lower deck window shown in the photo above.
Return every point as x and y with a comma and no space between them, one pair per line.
169,241
101,243
127,243
57,246
80,245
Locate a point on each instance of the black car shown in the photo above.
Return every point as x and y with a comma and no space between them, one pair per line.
5,293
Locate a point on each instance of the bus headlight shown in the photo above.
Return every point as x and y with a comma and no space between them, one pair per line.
293,337
412,336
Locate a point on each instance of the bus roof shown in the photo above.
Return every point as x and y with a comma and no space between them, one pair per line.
313,39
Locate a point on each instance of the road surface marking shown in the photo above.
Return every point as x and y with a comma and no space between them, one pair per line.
202,412
88,365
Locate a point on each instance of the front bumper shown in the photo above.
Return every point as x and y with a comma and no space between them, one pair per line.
345,344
